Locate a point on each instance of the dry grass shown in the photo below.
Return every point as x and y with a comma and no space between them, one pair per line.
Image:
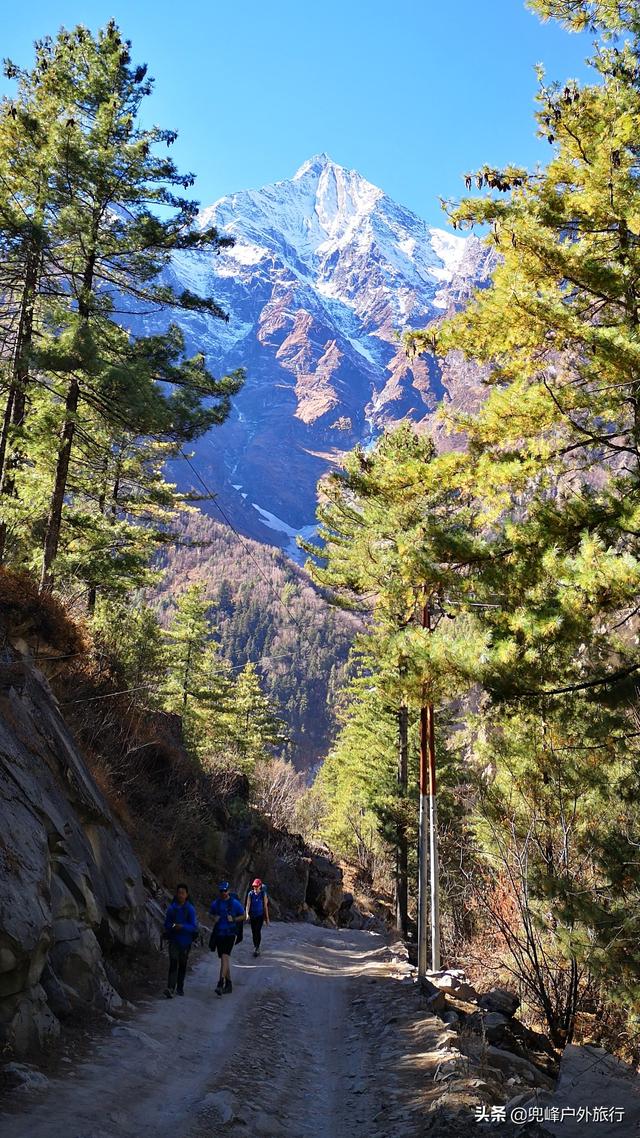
165,800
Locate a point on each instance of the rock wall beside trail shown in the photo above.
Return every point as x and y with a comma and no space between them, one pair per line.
72,890
71,887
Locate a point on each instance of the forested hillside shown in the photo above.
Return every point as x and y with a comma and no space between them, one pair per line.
504,578
265,610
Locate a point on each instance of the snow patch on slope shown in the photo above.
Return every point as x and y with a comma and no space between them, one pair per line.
450,249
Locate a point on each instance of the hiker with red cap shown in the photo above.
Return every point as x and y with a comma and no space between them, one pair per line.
257,911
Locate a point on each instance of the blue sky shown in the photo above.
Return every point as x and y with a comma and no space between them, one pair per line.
410,92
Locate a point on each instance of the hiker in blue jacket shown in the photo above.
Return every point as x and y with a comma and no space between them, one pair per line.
181,929
228,914
257,911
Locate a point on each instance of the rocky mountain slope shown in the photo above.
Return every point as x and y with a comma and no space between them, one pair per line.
326,272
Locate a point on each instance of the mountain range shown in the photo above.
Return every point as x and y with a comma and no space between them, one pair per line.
326,273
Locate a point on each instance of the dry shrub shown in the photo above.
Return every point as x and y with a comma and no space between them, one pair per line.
37,619
164,798
611,1027
276,790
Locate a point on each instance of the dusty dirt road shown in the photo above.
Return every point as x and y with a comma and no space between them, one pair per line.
293,1052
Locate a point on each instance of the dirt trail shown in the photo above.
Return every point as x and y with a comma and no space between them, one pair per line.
286,1055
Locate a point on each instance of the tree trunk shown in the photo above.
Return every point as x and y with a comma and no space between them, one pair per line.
17,400
52,537
4,441
6,427
92,594
21,353
402,846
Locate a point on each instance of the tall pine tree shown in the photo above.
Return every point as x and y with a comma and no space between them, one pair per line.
115,215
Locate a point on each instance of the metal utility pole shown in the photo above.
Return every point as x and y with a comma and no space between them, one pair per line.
428,874
402,849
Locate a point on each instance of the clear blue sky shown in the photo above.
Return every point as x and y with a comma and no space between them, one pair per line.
410,92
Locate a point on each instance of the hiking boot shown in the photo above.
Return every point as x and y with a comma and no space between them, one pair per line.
220,988
228,987
169,993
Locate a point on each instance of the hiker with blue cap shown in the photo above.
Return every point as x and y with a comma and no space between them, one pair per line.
228,914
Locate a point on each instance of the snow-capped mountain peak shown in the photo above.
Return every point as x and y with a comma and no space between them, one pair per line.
449,247
318,208
325,272
340,196
314,166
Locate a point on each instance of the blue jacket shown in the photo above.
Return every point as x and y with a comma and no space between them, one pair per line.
227,911
184,915
256,901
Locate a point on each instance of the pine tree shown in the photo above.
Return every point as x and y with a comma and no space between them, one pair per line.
119,510
188,638
115,219
31,147
256,730
215,742
397,531
553,455
223,718
132,636
364,811
553,464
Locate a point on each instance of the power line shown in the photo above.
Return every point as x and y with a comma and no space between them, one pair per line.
152,687
109,694
242,541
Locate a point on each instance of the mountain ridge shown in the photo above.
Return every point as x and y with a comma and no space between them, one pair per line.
326,273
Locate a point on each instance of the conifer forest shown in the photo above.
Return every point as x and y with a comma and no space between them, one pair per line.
476,570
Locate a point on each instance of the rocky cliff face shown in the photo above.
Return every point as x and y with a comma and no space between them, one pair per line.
71,888
326,272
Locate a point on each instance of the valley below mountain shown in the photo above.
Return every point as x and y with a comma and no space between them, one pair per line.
265,609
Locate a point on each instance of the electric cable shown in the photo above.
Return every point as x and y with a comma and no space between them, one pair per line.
227,519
